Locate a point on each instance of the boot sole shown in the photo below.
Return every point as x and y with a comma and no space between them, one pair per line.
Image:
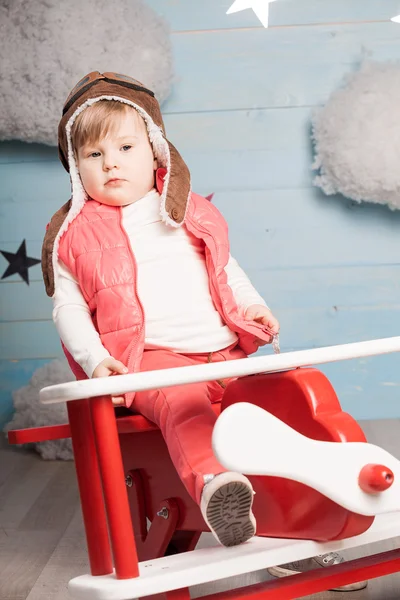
229,513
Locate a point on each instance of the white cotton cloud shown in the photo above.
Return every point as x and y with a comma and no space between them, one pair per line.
357,137
29,412
47,46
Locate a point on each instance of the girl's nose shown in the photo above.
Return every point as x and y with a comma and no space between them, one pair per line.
110,162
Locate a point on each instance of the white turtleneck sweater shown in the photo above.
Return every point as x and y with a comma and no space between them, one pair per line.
172,284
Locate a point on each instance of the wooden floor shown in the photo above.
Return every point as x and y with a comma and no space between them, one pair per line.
42,544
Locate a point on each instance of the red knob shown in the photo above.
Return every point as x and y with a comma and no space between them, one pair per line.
375,478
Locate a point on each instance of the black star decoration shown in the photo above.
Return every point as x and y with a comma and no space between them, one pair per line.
19,263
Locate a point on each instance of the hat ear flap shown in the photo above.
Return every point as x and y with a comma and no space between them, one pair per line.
52,230
177,188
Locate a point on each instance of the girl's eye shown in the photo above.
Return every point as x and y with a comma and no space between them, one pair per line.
94,154
126,147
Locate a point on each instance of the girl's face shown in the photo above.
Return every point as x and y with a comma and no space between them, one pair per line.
119,169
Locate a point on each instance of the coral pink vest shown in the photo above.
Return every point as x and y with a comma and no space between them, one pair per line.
96,249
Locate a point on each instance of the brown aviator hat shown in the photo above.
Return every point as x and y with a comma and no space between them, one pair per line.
112,86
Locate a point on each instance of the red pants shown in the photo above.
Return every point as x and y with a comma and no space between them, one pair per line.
184,414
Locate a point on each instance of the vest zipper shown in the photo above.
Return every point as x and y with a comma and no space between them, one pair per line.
263,327
136,288
199,227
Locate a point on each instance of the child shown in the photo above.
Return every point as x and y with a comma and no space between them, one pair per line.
141,278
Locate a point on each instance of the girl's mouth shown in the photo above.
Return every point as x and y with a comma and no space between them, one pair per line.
114,181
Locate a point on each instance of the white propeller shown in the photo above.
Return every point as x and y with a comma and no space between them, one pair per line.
249,440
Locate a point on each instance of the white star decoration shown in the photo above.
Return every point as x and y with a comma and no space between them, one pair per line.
260,7
396,19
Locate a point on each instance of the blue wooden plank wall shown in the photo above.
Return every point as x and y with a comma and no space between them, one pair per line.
240,114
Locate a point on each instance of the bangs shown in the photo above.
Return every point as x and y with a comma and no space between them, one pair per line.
97,122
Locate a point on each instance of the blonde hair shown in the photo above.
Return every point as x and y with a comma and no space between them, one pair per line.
97,121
